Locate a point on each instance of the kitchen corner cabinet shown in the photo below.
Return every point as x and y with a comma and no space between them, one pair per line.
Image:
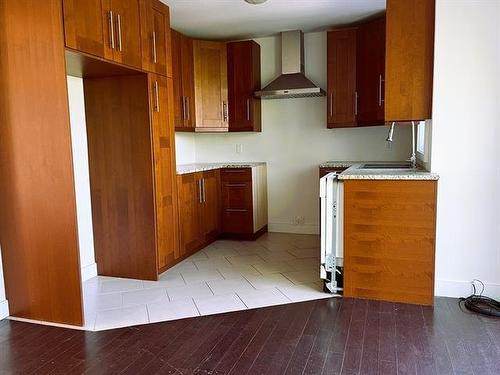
199,210
370,72
162,136
183,78
341,68
210,86
156,40
409,60
243,74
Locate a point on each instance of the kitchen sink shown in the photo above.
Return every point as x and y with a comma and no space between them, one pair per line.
386,166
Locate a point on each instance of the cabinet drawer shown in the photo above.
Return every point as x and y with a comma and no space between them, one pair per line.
236,175
237,206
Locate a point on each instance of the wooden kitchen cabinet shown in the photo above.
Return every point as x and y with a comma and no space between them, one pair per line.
341,68
244,201
162,135
389,240
108,28
210,86
370,72
199,209
156,40
183,77
409,60
243,75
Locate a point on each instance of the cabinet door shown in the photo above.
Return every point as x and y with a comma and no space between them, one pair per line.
127,32
370,72
211,205
156,41
178,98
164,170
210,74
190,198
188,91
409,60
342,96
243,74
86,27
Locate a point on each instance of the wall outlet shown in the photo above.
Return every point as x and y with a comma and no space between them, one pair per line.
239,148
298,220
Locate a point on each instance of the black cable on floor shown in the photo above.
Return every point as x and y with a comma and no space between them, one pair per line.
479,304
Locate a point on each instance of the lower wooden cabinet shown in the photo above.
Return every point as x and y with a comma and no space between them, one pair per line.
199,209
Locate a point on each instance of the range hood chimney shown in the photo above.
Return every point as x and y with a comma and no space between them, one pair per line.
292,83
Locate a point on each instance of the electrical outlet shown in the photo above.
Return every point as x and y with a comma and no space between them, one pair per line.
298,220
239,148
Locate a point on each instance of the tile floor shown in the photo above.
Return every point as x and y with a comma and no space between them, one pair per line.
226,276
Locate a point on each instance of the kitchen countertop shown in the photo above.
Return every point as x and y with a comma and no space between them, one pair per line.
200,167
354,173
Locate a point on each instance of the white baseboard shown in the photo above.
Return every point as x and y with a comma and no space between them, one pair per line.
89,272
4,309
290,228
456,288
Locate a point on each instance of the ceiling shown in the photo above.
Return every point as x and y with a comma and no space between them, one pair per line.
235,19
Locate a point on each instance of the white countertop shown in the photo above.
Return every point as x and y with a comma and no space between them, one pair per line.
200,167
353,172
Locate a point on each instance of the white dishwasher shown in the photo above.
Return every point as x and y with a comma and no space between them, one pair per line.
332,229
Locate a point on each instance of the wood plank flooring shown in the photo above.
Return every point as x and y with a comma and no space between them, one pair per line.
333,336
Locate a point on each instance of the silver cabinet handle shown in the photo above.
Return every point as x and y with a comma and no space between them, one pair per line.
154,47
248,109
204,191
119,31
187,108
156,107
355,103
224,112
236,185
183,101
111,30
200,198
331,105
236,210
380,99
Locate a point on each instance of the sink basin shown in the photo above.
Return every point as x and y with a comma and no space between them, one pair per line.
404,166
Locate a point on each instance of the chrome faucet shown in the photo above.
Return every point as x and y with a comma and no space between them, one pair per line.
413,157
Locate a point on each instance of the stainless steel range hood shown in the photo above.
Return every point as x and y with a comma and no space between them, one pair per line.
292,83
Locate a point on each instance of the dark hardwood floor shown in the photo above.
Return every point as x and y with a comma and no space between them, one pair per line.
332,336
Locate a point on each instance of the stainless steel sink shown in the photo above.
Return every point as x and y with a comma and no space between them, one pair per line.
404,166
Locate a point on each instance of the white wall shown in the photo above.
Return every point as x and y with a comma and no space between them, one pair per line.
465,145
185,148
82,180
4,306
294,141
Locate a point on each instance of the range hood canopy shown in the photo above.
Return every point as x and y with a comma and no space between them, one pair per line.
292,83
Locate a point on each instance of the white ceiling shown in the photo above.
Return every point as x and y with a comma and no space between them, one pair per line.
235,19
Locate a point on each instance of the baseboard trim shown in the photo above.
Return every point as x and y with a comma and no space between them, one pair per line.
4,309
456,288
43,322
290,228
88,272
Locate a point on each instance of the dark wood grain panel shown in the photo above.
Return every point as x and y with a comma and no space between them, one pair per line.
409,60
38,229
121,179
389,240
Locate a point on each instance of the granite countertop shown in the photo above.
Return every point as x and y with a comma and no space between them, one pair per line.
200,167
353,172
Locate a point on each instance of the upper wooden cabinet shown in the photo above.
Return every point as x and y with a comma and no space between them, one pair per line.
109,29
183,78
370,72
409,60
243,75
341,66
210,85
156,41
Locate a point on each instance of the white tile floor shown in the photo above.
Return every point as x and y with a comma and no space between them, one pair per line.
226,276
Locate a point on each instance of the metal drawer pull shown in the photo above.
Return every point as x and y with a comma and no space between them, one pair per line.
187,108
224,111
356,103
248,109
236,185
380,99
119,27
157,97
234,171
204,191
331,105
200,198
236,210
111,30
